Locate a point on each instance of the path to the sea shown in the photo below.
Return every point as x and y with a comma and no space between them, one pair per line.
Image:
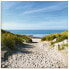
36,55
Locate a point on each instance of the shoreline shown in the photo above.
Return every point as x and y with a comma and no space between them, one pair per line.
37,35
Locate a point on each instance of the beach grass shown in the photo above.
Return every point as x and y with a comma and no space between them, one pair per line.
11,40
59,37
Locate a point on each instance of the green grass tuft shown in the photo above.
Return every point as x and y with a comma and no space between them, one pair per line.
59,37
11,40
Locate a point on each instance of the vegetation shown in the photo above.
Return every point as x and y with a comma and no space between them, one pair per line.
66,44
10,40
24,37
62,46
59,37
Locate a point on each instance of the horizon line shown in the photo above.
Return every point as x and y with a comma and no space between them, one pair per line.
35,29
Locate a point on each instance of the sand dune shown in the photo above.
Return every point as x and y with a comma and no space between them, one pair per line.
36,55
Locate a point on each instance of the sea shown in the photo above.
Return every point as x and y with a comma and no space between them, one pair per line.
36,33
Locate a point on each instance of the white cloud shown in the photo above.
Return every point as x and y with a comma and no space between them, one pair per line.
48,9
31,24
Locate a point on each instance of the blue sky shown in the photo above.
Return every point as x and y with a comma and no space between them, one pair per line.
34,15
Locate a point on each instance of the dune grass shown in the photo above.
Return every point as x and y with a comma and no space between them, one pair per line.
59,37
11,40
62,46
66,44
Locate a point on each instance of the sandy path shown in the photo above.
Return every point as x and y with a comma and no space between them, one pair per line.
35,55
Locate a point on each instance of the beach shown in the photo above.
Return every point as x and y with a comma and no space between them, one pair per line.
36,55
34,34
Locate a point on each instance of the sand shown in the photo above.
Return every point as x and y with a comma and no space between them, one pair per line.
36,55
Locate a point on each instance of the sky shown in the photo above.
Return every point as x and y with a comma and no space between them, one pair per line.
34,15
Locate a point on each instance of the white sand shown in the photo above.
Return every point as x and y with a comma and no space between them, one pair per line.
36,39
36,55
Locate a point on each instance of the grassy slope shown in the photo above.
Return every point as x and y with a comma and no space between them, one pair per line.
10,40
59,36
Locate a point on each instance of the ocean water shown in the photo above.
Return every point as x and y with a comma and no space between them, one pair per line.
36,33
